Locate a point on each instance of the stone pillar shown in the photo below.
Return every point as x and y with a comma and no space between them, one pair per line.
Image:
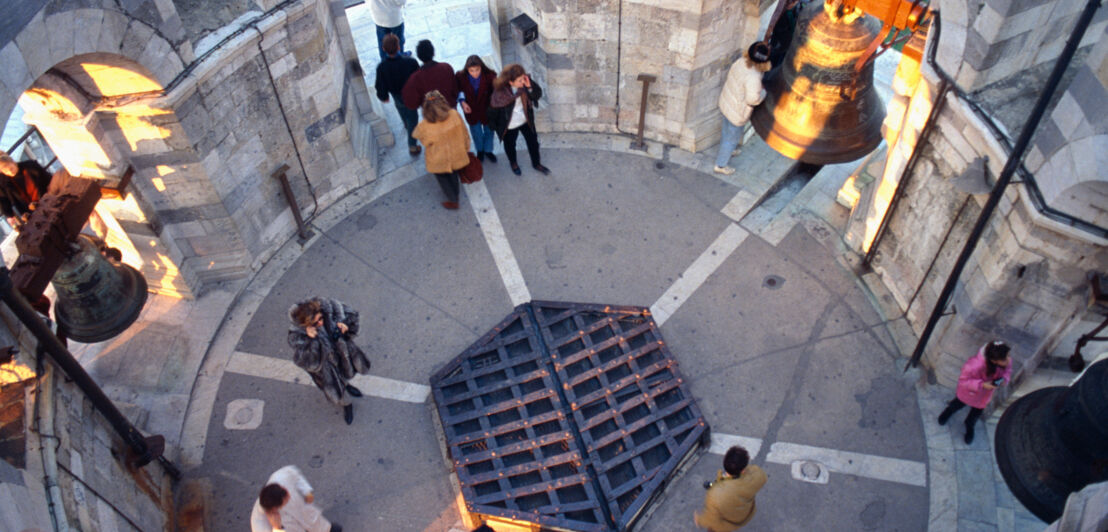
590,53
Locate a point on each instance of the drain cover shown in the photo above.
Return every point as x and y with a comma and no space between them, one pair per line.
567,415
773,282
810,471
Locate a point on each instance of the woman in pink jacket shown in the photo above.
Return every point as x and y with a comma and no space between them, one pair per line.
981,374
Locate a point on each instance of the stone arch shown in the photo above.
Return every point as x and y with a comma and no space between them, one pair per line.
1072,179
105,117
52,37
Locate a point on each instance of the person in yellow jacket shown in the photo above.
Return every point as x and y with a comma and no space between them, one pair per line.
445,138
729,502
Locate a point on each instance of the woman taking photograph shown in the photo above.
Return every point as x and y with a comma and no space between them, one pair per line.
513,112
475,84
981,375
445,144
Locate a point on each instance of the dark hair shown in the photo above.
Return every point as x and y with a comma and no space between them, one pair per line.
425,51
304,313
510,73
435,108
272,497
484,528
475,60
994,352
390,44
735,460
758,52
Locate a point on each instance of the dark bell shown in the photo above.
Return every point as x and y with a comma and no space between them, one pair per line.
817,108
1054,441
98,297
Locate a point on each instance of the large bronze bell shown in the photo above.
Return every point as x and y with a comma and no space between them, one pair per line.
1054,441
818,109
98,297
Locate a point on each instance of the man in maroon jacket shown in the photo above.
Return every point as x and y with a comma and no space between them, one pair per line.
432,76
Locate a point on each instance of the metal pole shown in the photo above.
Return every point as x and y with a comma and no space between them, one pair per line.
301,229
1005,176
646,79
50,343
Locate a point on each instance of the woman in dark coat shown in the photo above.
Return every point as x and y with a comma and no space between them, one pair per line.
475,83
322,338
512,111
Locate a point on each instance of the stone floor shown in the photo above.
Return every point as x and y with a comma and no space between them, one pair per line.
806,368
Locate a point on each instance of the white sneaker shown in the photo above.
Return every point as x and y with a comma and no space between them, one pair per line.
725,170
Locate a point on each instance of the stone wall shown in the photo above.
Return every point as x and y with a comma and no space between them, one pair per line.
1026,282
97,490
219,111
590,54
988,41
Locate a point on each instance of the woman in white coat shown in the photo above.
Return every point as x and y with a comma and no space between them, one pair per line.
741,93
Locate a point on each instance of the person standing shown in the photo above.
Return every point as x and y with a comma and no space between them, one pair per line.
432,76
475,83
981,375
512,112
287,504
388,15
322,338
25,184
729,501
392,73
444,135
741,92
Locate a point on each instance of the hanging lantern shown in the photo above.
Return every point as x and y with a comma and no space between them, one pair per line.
98,297
818,108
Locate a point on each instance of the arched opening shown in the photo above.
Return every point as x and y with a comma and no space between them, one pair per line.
457,29
99,115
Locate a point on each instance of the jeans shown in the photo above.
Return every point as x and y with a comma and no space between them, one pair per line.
450,185
729,137
482,138
410,117
529,136
382,31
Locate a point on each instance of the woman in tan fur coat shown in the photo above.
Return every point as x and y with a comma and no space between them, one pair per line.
445,140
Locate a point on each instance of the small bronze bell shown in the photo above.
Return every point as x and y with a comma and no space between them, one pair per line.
818,109
98,297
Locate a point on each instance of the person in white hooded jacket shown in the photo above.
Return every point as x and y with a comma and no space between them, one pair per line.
388,16
742,91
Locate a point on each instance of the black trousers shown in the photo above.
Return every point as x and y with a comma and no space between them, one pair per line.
955,405
450,185
529,136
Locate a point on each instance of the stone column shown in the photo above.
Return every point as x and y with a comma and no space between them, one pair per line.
590,53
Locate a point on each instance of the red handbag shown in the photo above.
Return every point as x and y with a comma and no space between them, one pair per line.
473,171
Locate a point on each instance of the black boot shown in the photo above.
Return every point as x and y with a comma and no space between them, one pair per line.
490,157
350,389
348,414
945,416
480,156
969,435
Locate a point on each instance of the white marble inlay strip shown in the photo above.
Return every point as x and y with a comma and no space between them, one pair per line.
497,239
284,370
845,462
722,442
857,464
698,272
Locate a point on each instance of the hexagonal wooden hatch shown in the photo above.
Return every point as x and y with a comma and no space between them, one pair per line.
569,416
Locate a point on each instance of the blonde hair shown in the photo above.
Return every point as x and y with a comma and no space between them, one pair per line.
435,108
